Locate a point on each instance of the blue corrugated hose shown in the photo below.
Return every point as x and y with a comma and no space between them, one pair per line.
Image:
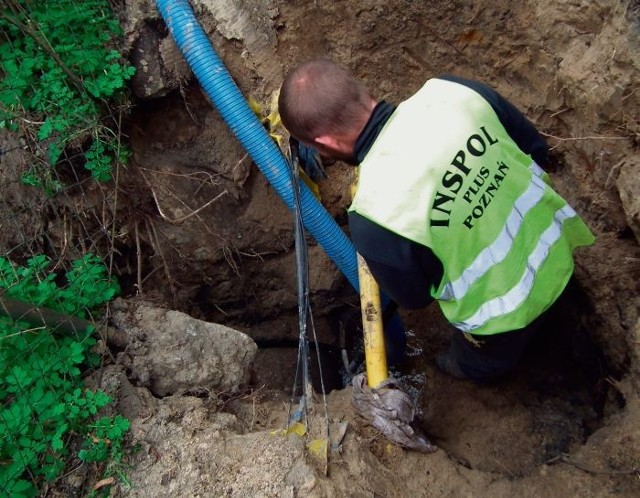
232,106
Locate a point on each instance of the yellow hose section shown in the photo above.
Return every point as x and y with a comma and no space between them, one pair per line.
372,328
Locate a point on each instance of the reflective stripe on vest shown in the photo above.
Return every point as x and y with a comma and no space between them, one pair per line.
510,301
496,252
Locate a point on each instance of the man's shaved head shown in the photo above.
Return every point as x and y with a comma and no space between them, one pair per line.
319,97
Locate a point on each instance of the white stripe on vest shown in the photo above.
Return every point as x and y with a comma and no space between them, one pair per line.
508,303
498,250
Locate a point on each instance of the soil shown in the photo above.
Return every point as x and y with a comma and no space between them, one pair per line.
200,231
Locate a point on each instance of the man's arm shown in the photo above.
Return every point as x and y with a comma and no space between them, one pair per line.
404,270
519,128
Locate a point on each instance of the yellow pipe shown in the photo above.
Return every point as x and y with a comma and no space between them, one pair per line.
372,328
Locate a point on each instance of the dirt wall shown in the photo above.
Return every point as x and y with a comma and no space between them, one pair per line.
199,230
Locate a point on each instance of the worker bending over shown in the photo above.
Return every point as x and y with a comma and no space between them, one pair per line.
451,205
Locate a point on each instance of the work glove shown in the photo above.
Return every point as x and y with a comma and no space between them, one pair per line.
308,158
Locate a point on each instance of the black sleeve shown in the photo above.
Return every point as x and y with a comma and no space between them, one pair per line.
405,271
519,128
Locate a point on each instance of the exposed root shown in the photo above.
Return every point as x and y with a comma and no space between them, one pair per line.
155,242
183,218
564,458
203,177
139,259
228,256
568,139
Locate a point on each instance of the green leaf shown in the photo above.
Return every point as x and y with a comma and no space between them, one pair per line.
21,489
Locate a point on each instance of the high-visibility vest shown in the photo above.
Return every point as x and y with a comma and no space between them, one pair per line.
445,173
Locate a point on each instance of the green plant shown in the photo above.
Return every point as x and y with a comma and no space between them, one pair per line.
43,402
59,68
106,441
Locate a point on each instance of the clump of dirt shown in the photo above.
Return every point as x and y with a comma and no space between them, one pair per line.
170,352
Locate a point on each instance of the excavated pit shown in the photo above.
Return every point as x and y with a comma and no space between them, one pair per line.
563,390
199,230
234,263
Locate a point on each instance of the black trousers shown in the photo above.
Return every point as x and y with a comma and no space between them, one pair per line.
484,358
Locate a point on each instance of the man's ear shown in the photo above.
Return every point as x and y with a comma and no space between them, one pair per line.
327,141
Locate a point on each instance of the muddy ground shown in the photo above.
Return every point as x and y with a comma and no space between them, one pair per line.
200,231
